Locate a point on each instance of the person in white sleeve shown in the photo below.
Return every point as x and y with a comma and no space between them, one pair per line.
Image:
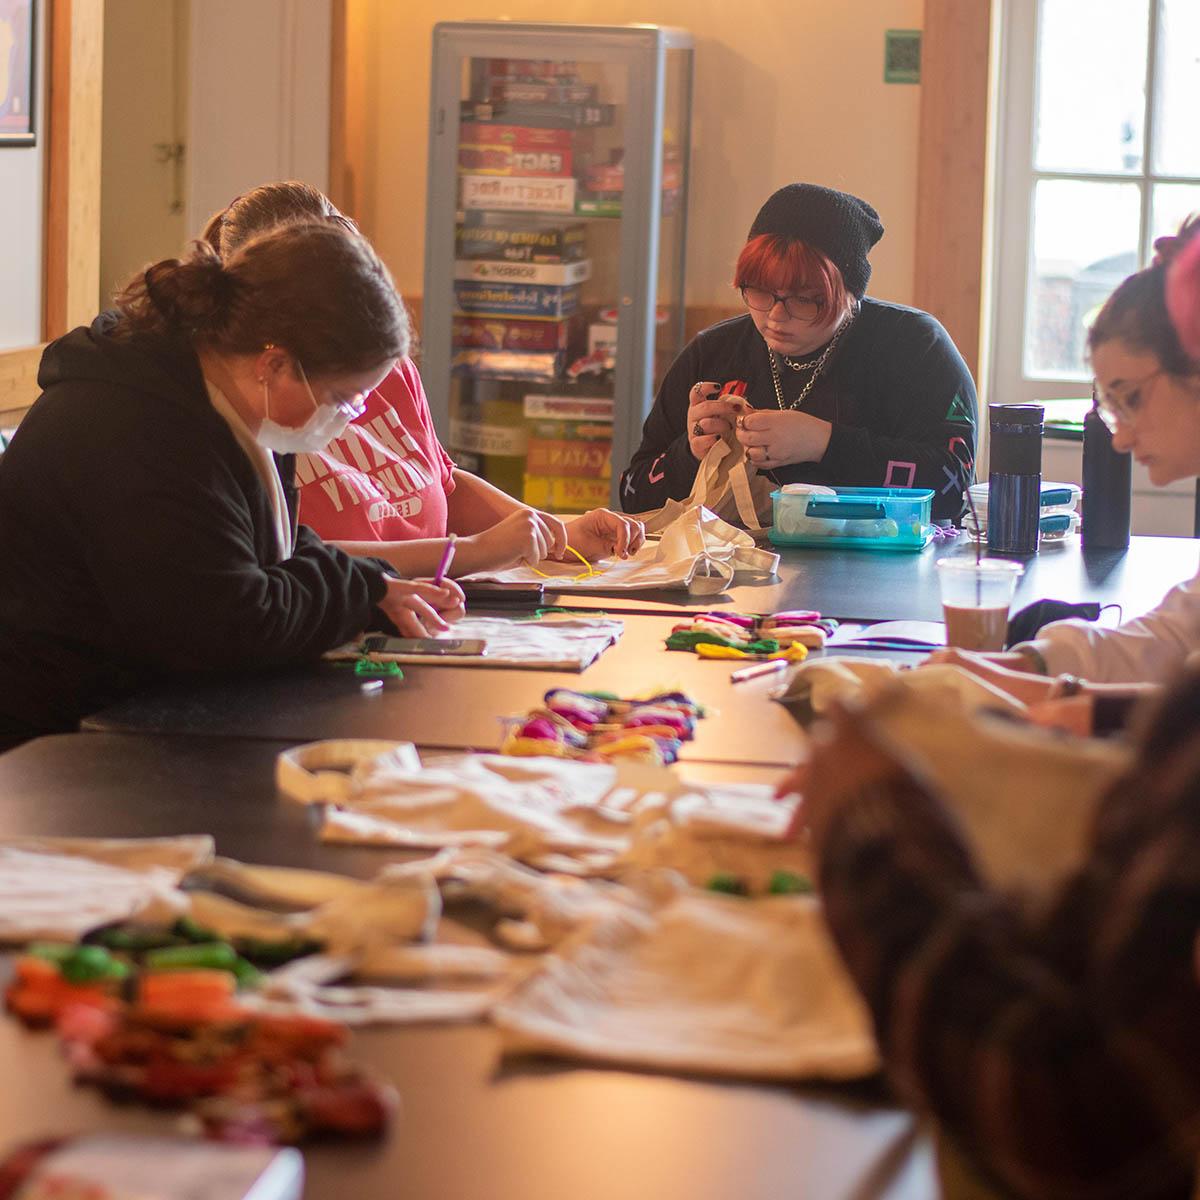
1145,352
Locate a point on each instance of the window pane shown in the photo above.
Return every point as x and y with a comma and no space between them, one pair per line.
1177,91
1172,203
1092,85
1085,241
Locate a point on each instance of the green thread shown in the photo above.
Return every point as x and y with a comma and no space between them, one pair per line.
375,669
728,884
790,883
689,639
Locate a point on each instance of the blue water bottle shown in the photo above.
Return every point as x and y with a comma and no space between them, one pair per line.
1015,478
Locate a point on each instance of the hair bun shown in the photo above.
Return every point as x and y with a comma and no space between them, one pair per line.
1169,247
1166,249
1183,288
195,294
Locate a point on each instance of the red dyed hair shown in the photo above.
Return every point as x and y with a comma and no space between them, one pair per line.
787,266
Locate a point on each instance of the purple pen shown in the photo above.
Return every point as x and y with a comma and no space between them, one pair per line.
447,559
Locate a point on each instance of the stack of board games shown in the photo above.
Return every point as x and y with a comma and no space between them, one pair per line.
517,298
526,133
488,438
527,136
529,132
568,452
602,184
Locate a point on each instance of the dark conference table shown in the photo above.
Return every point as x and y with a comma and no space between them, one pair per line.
865,585
427,708
472,1126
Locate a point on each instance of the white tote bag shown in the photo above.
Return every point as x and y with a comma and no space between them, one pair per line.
696,550
725,484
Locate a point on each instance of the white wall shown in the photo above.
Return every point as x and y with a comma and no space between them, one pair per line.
259,106
145,105
784,91
22,216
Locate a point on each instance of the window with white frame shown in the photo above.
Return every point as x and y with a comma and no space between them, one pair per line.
1098,155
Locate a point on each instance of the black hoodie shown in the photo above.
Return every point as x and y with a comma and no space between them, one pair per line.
137,540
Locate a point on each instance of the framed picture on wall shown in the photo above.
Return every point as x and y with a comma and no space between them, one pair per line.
18,21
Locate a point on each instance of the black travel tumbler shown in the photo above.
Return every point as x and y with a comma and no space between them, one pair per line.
1107,487
1015,479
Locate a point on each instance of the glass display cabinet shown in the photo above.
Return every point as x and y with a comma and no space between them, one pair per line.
554,249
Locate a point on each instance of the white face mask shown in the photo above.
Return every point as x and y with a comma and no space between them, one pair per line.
327,422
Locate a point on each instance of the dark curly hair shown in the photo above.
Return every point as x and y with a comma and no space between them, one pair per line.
1136,313
314,288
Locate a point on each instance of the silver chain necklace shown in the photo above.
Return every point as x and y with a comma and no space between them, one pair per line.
817,368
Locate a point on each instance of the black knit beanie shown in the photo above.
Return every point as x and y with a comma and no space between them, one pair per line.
841,226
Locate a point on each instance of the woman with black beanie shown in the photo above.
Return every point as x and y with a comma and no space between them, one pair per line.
820,383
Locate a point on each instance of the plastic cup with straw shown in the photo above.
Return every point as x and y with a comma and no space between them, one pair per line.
976,594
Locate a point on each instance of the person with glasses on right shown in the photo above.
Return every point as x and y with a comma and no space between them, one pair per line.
819,382
1145,352
1054,1038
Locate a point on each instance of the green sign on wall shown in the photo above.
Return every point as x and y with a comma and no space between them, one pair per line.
902,56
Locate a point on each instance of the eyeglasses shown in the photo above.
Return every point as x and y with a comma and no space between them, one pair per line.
1121,408
802,308
352,406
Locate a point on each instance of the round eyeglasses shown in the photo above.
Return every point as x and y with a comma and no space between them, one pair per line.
352,406
1121,407
802,308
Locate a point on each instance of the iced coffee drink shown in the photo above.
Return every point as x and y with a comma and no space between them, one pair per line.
976,595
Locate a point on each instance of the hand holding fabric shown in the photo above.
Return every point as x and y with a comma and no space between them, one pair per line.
709,417
778,439
525,535
603,533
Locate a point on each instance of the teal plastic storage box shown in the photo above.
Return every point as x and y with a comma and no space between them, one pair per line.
857,518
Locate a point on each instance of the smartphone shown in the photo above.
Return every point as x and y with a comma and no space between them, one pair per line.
485,594
378,643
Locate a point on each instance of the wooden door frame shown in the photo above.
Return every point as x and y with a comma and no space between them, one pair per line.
953,202
71,228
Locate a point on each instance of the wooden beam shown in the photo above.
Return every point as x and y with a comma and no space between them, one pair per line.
72,222
340,182
71,229
952,168
18,382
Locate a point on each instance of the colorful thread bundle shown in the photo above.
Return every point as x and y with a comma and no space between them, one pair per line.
788,635
601,727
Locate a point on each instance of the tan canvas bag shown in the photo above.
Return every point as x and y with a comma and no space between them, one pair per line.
726,484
